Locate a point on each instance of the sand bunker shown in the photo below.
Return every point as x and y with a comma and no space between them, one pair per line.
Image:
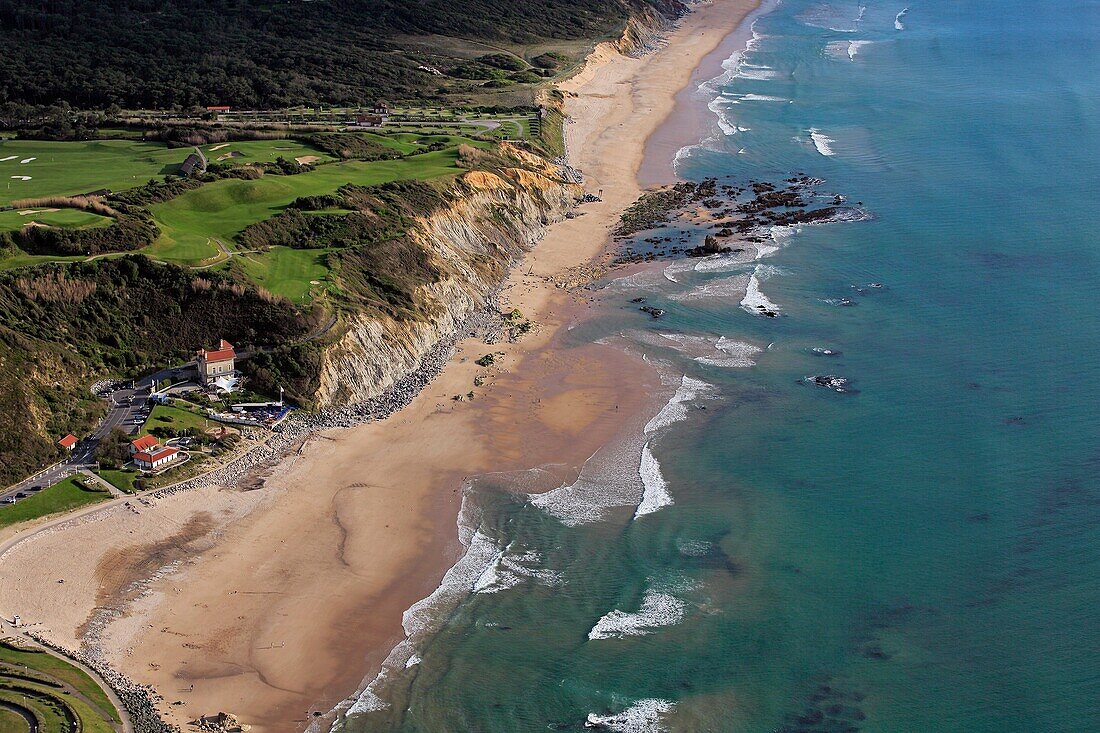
22,178
220,146
25,212
307,159
10,157
26,160
234,154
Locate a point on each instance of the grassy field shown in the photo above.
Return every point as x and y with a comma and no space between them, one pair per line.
54,691
262,151
291,273
69,168
121,480
61,497
68,218
175,418
219,211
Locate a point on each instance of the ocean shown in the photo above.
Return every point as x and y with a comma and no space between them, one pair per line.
911,543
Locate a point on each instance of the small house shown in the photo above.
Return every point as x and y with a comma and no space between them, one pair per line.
158,457
143,444
194,163
374,120
68,442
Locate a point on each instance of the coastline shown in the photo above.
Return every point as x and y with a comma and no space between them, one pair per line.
276,604
689,120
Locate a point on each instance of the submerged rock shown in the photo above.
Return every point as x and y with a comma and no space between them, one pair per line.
830,381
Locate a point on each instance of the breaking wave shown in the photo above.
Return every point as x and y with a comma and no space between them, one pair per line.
655,492
658,609
644,716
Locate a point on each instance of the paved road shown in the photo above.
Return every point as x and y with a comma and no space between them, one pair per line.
125,403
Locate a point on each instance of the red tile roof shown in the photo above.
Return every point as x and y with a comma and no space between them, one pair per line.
224,352
146,442
68,441
155,455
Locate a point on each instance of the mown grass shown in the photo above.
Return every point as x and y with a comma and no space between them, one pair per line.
63,672
67,218
261,151
121,480
291,273
61,497
11,722
70,168
222,209
176,418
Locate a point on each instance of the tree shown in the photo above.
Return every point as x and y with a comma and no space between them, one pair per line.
114,449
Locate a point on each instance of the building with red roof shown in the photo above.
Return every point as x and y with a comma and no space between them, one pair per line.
68,442
214,363
158,457
144,443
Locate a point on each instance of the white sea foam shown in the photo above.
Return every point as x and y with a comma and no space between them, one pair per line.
601,485
413,661
897,19
822,141
854,46
644,716
756,72
676,409
738,354
655,494
727,287
719,351
739,98
755,301
658,609
509,570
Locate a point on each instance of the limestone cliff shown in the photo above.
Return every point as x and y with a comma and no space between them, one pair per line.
492,218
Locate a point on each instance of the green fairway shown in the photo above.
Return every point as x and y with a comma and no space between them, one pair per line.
68,218
221,210
60,497
261,151
291,273
70,168
22,260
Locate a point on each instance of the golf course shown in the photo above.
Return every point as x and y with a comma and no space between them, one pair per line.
198,228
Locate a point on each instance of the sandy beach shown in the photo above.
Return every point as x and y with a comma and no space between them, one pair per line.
274,604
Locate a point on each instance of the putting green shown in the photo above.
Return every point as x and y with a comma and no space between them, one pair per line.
291,273
68,218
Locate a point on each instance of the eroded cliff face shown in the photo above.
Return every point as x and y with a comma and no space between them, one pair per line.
492,221
647,25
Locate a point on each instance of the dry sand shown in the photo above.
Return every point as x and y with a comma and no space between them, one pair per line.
277,602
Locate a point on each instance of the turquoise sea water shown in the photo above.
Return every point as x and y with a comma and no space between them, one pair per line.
922,554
